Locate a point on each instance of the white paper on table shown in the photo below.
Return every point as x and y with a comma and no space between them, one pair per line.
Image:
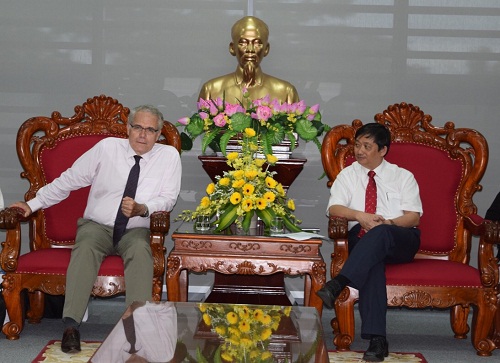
300,236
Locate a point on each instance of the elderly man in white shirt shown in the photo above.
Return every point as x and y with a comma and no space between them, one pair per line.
106,167
380,232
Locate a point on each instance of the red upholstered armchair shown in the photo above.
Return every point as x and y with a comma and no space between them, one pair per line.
47,146
448,164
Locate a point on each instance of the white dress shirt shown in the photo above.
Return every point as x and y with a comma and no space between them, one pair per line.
397,190
1,200
106,167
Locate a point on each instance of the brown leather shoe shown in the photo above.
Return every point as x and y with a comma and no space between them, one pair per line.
71,341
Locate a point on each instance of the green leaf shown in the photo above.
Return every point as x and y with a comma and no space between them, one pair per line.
290,225
227,218
195,126
247,220
207,139
186,141
240,121
224,139
293,140
305,129
267,147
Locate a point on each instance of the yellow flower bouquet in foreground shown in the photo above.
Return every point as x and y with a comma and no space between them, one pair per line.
248,189
246,331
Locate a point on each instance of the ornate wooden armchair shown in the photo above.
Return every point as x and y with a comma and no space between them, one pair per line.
47,146
448,164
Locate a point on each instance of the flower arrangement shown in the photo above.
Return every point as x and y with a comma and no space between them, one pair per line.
272,121
248,189
246,331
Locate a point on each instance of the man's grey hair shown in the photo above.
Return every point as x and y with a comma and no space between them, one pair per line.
147,108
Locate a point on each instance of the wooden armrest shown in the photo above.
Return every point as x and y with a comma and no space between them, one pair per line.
337,231
160,223
337,227
11,217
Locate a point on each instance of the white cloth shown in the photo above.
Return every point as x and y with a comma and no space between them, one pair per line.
1,200
106,167
397,190
155,331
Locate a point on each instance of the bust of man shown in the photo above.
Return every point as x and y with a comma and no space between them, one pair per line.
249,45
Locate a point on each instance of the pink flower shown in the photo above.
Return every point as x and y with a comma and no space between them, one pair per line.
220,120
263,113
184,121
313,110
231,109
203,104
204,115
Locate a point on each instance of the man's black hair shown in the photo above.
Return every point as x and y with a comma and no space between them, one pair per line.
378,132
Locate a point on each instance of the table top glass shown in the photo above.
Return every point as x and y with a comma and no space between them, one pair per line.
202,332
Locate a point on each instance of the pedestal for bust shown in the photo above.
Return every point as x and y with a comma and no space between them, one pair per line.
252,289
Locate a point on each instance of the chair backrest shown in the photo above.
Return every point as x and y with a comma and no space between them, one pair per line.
47,146
448,164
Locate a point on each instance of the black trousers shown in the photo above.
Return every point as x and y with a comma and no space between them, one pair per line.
365,268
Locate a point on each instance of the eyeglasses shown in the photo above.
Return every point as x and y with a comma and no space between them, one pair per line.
139,129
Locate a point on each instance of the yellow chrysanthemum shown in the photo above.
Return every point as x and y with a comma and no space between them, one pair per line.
270,182
266,355
246,342
221,330
227,356
261,203
266,319
207,320
259,162
271,159
249,132
250,174
232,156
291,204
244,326
269,196
238,174
247,205
248,189
205,202
235,198
266,334
280,189
232,318
210,188
237,184
224,182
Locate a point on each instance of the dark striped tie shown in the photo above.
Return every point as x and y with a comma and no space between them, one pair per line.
130,189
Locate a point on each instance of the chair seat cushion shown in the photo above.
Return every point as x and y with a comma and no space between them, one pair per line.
431,272
56,260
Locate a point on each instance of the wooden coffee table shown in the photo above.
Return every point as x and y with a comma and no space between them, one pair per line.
245,256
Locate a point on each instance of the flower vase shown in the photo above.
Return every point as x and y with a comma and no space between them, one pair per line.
252,230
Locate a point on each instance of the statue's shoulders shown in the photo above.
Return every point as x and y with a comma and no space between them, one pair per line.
220,82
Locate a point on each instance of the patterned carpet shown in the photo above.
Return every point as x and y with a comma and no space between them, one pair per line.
52,354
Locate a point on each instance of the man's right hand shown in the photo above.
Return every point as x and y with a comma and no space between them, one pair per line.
24,206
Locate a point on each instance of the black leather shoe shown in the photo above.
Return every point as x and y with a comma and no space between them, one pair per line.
377,351
71,341
329,293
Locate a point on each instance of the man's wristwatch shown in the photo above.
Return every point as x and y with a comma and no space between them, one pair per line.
146,213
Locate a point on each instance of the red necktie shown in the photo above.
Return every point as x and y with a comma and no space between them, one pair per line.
370,197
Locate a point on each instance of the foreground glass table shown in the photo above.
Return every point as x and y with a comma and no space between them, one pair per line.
203,332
